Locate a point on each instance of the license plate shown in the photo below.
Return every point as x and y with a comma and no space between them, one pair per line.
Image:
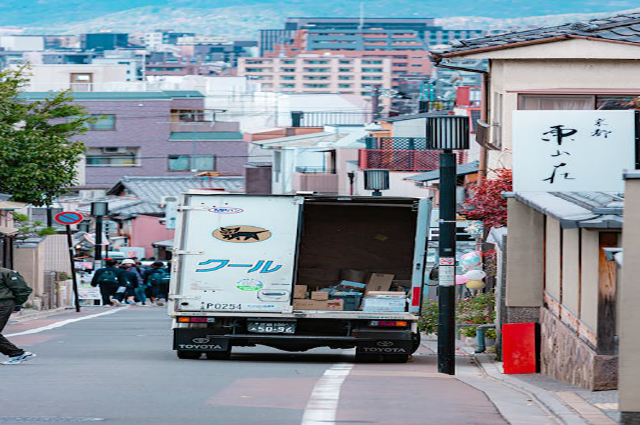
272,327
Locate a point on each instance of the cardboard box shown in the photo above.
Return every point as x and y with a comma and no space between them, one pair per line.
346,285
384,303
379,282
300,292
392,293
320,296
335,305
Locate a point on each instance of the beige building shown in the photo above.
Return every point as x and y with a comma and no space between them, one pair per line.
82,78
556,273
318,74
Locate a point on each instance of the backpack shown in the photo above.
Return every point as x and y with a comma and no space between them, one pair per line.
108,277
158,277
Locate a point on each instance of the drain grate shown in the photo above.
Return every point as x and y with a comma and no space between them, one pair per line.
46,419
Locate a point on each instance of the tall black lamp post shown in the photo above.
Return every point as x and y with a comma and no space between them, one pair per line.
447,133
99,209
376,180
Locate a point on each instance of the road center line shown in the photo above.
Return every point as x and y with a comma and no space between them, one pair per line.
322,407
64,323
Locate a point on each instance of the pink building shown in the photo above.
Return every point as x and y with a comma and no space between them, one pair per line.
313,73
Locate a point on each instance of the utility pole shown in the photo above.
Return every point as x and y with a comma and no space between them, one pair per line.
447,134
447,269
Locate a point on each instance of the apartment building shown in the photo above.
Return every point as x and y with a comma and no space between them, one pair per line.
361,34
319,74
153,134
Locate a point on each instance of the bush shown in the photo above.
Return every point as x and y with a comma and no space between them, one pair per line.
478,310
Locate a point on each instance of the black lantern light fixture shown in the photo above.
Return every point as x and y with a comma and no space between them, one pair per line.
376,180
99,209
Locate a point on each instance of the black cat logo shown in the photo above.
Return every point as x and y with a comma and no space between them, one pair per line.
241,234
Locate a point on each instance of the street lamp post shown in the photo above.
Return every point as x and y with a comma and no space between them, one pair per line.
376,180
99,209
447,133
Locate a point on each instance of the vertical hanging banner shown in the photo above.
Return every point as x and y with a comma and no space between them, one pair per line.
572,151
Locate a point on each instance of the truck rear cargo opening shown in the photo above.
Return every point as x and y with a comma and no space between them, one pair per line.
297,273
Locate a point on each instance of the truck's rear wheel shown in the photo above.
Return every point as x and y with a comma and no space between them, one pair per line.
395,358
368,358
189,355
218,355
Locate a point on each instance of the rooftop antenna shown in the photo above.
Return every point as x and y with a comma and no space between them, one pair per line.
361,24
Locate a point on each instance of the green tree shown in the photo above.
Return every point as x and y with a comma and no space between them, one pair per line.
38,158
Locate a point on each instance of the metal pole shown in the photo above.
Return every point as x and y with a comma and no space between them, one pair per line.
447,269
49,216
73,269
375,103
97,256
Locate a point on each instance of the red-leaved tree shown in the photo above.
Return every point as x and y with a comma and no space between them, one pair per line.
486,202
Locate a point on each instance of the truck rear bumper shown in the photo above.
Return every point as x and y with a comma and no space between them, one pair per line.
383,341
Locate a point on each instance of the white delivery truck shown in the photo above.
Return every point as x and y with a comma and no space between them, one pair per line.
238,259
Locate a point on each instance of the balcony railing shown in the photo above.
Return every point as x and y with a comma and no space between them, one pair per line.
403,160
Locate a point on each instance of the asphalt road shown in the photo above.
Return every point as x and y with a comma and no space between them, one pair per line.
119,369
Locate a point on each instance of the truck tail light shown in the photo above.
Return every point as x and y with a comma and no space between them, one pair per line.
399,323
415,299
196,319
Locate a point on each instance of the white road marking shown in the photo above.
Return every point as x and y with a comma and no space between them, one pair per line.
323,403
65,322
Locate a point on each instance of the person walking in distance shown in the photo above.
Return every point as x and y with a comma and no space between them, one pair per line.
157,277
13,293
132,283
109,279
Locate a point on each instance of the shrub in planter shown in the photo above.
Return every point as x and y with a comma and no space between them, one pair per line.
477,310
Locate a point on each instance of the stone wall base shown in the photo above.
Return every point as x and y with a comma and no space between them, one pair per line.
523,315
566,357
629,418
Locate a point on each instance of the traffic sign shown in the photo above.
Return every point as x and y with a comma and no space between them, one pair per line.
68,218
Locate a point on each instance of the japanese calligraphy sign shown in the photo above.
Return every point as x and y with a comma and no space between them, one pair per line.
572,151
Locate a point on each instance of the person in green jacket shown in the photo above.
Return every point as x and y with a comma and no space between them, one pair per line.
13,293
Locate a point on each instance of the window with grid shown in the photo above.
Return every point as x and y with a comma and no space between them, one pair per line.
113,156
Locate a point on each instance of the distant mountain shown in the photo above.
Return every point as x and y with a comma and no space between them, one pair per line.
245,17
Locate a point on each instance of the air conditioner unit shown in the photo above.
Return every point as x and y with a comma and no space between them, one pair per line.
118,149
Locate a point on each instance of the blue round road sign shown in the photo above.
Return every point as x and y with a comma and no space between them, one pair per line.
68,218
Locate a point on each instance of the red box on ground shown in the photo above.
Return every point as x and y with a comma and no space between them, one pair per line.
519,348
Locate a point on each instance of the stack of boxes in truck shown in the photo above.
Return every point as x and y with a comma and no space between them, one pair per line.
350,295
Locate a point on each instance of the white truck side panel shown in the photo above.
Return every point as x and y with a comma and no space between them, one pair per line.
419,256
236,253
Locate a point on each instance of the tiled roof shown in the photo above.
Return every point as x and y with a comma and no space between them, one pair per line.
599,210
619,28
152,189
204,136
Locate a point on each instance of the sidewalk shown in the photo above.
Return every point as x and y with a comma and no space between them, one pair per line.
564,403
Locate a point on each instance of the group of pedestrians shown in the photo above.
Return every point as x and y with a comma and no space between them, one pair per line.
131,283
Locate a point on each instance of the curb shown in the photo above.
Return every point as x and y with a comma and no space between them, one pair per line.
557,408
38,314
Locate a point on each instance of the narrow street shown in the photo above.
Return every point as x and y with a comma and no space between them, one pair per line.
117,366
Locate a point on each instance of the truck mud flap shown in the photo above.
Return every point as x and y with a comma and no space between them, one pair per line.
198,340
385,347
